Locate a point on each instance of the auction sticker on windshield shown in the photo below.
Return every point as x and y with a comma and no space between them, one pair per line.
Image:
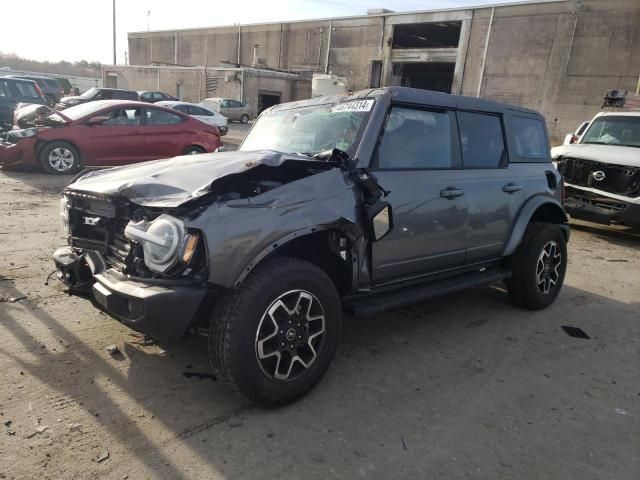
354,106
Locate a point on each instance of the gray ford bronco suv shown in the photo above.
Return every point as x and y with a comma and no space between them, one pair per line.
355,203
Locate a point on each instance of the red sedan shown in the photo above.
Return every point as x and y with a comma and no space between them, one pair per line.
105,133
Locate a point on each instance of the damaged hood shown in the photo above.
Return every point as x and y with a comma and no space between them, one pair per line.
613,154
174,181
31,115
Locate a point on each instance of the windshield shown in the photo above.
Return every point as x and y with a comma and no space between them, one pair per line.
614,130
90,93
310,130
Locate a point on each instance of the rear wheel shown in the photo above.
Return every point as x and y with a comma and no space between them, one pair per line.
244,118
59,158
194,150
274,338
539,267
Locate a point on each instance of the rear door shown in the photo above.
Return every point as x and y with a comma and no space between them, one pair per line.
418,160
7,103
494,190
117,140
226,109
166,133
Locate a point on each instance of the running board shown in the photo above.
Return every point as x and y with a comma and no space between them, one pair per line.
375,303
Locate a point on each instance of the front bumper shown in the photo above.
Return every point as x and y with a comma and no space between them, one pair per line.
20,154
164,312
598,208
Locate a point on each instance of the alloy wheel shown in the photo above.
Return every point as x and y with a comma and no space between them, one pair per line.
548,267
61,159
290,335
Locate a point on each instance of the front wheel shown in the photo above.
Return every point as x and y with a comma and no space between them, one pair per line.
539,267
274,338
59,158
244,118
193,150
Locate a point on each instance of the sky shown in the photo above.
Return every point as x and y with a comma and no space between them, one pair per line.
82,29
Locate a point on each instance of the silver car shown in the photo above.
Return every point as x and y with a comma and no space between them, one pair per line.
198,112
234,110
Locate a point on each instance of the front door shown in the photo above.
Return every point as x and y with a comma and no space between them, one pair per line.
114,137
417,160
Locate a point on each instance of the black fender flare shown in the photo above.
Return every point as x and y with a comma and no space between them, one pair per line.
524,218
351,230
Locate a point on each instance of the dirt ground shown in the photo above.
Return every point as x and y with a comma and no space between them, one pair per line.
466,386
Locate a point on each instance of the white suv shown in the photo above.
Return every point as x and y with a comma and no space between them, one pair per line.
602,170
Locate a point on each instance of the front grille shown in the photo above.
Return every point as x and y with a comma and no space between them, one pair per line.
97,223
618,179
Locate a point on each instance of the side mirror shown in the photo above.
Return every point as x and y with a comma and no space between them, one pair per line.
99,120
381,219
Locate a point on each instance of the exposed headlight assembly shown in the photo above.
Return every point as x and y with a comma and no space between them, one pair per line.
25,132
164,242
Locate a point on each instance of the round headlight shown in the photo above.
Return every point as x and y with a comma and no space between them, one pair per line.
168,231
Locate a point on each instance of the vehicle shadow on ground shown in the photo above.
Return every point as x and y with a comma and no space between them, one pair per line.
432,348
622,236
40,180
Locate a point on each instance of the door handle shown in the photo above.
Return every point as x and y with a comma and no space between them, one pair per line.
451,193
511,188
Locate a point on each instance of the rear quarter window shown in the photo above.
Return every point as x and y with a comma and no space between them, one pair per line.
530,139
160,117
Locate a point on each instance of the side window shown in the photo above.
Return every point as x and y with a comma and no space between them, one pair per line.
103,95
146,95
530,138
158,96
481,140
121,117
415,139
26,89
193,110
160,117
4,89
182,108
225,104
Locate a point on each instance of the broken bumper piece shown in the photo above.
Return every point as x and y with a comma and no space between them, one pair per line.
164,312
600,209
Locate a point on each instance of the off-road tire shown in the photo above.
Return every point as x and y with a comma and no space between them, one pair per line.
244,119
523,287
234,328
63,148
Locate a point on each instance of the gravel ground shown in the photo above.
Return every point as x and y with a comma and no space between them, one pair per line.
466,386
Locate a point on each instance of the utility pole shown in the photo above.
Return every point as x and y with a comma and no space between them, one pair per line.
114,32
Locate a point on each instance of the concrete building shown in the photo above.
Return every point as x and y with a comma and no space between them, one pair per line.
260,88
555,56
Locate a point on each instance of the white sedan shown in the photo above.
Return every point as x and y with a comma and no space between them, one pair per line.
196,111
